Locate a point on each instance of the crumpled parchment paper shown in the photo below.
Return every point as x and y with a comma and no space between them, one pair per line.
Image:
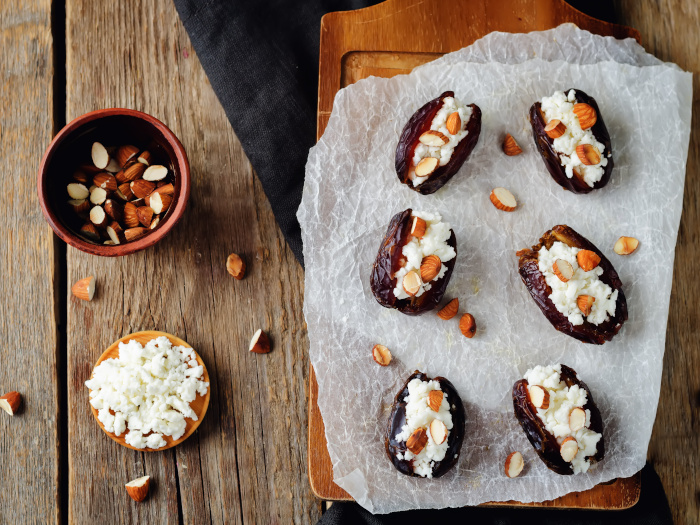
352,191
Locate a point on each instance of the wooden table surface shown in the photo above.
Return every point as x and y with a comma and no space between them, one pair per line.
247,462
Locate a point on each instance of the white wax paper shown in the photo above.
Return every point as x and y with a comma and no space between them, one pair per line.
352,191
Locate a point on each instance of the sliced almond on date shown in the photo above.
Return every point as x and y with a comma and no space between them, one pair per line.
430,268
427,166
411,282
514,464
539,397
503,199
510,146
454,123
433,139
626,245
588,154
449,310
577,419
435,400
416,442
563,270
438,431
555,128
381,355
418,227
587,116
568,449
585,303
587,260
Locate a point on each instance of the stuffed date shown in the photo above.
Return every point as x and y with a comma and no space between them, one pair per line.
414,262
572,138
426,427
575,285
436,142
562,422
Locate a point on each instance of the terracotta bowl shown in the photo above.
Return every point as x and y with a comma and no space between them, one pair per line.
114,126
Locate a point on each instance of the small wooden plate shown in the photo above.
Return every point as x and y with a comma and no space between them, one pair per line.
199,405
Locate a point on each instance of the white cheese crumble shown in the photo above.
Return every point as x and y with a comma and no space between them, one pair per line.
560,106
147,390
433,242
444,152
562,400
564,294
419,415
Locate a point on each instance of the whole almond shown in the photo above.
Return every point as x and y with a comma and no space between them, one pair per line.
467,325
454,123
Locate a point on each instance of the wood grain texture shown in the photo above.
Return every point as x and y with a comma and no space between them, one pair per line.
29,441
199,405
391,39
247,461
669,29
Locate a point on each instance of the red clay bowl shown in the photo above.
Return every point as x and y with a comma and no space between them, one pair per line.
114,126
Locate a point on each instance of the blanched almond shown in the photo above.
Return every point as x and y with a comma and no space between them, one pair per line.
503,199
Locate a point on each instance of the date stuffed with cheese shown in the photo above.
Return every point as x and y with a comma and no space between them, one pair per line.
548,448
436,142
401,263
582,254
573,140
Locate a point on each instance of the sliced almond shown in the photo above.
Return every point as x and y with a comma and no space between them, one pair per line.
427,166
449,310
78,191
235,266
105,181
587,260
510,146
113,209
142,188
79,206
84,289
454,123
438,431
381,355
563,270
98,195
588,154
144,158
585,303
539,397
568,449
626,245
100,157
418,227
155,173
577,419
433,139
467,325
98,216
260,343
430,268
11,402
587,116
154,223
503,199
555,128
89,231
138,488
113,166
115,232
416,442
514,464
411,282
159,202
435,400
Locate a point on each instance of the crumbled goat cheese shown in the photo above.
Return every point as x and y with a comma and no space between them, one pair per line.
560,106
147,390
419,415
434,242
562,400
444,152
564,294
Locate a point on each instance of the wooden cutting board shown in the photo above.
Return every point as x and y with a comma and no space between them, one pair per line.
391,39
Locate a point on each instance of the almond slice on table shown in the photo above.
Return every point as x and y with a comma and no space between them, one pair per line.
426,166
131,234
381,355
235,266
585,303
555,128
159,202
454,123
411,282
430,267
510,146
449,310
78,191
98,216
588,154
100,157
563,270
626,245
587,116
125,154
10,402
438,431
418,227
587,260
577,419
138,488
417,441
155,173
568,449
433,138
503,199
84,289
435,400
514,464
260,343
539,396
467,325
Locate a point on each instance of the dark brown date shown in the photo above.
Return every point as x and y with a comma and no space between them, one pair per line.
390,259
540,291
551,158
418,124
544,443
397,420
